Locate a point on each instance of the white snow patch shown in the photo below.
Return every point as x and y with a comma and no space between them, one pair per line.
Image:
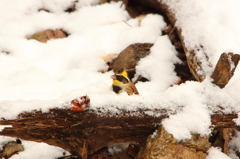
34,150
234,145
215,153
39,151
237,121
154,134
4,126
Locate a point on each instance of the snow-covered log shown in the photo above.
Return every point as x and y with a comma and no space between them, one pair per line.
81,132
84,132
226,65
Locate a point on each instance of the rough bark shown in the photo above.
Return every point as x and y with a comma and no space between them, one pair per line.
227,136
84,132
194,63
163,145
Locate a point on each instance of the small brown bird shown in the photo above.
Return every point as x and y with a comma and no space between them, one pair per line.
121,82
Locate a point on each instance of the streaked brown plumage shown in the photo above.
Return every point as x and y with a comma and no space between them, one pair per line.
131,89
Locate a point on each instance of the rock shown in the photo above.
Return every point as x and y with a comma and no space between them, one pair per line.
59,33
130,56
41,36
163,145
109,57
225,68
11,148
197,142
50,34
47,35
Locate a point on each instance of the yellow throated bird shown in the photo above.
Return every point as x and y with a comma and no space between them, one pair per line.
121,82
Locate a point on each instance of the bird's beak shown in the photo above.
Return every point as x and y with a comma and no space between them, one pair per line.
113,77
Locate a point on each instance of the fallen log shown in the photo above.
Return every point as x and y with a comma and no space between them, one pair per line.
80,132
84,132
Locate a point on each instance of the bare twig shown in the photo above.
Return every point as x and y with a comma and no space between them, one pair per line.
137,79
126,23
172,30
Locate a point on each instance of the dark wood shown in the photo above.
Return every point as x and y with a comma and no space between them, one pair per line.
84,132
221,120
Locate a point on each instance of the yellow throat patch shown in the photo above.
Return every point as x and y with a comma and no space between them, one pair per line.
124,74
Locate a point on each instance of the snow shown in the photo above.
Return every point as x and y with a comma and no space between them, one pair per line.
215,152
234,146
117,148
237,121
40,76
33,150
4,126
215,27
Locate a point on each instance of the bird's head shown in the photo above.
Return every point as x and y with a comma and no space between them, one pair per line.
120,78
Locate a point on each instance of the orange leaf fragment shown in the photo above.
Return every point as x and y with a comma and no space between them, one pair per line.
80,103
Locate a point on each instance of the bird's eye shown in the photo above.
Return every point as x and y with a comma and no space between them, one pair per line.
120,78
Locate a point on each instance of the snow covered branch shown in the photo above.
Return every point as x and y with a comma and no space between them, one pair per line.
84,132
197,64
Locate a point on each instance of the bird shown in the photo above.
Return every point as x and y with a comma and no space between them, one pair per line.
121,83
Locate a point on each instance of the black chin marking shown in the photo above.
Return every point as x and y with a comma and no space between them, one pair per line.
116,89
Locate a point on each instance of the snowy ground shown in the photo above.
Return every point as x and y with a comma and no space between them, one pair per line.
44,75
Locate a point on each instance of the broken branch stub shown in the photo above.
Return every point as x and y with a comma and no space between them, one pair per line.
225,68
